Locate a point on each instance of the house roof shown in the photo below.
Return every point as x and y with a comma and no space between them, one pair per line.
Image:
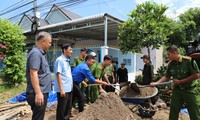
91,27
70,15
31,18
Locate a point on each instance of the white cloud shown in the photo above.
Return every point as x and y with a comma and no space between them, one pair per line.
187,4
174,8
140,1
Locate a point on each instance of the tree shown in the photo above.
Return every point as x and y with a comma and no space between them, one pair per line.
178,35
12,40
191,22
146,27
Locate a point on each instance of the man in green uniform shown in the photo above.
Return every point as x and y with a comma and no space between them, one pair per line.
99,72
109,77
92,91
81,58
185,76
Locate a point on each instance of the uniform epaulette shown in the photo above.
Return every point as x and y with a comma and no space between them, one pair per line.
186,57
101,67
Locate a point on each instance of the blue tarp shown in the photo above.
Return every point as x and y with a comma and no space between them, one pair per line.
185,111
52,99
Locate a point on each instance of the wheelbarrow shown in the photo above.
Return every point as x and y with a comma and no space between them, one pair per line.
142,103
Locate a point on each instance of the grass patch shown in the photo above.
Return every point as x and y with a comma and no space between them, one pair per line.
7,93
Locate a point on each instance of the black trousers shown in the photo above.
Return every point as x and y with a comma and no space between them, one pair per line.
64,106
109,88
38,111
78,94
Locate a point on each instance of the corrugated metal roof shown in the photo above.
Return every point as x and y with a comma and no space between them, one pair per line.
79,20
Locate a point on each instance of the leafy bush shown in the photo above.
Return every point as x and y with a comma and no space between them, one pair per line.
12,41
164,91
138,79
160,73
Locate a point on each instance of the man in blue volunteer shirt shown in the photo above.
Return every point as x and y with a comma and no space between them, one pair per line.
79,73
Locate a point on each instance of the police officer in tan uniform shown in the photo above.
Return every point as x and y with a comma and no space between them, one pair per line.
185,73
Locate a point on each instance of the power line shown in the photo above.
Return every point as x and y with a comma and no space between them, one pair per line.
63,4
113,9
12,6
13,9
49,3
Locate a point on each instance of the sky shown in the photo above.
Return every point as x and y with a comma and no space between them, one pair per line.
116,8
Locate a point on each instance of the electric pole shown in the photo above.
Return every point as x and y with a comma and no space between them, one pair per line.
34,26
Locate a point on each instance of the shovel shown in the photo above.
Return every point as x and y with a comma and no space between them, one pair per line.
136,87
113,85
157,84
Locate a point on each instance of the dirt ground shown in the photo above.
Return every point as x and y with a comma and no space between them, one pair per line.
108,111
162,114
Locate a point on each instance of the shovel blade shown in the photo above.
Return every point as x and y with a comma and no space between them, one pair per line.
134,87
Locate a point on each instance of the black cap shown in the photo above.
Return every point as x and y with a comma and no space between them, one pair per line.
145,57
83,49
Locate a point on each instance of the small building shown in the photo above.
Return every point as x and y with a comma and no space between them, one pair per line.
97,33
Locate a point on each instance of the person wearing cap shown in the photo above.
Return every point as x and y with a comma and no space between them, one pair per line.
63,83
185,74
38,76
100,69
147,71
79,73
122,73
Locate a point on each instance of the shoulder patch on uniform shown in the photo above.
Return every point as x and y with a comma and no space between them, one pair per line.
101,68
186,57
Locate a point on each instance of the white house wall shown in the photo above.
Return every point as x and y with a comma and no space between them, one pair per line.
159,57
129,59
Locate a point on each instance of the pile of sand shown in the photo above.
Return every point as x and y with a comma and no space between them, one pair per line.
108,106
127,91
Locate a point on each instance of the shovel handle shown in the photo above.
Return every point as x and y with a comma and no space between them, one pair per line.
163,83
157,84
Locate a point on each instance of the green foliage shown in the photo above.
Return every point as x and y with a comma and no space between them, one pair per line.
160,73
190,20
146,27
163,91
138,79
12,37
178,35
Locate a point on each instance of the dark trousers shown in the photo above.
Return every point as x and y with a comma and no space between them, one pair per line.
109,88
64,106
38,111
78,94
